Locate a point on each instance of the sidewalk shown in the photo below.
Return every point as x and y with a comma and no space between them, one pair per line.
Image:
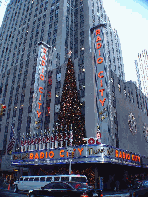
4,186
121,193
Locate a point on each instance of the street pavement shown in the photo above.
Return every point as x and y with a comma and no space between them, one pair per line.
121,193
10,193
4,192
116,194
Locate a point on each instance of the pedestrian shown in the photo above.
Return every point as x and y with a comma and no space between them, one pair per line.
117,185
132,180
98,183
11,183
112,184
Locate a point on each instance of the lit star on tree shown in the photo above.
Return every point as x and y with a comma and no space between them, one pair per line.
69,54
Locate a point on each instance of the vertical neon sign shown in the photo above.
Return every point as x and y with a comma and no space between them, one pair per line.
38,106
100,61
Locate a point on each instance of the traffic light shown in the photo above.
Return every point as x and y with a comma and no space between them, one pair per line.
3,110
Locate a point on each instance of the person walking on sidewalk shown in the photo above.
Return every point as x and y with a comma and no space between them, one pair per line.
117,185
11,183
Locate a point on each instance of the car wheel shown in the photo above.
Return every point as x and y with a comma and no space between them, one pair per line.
15,189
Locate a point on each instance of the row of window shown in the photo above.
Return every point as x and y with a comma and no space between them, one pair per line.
43,17
129,94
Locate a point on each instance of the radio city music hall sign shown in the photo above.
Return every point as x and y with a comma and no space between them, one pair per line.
62,153
38,105
51,154
123,155
42,78
99,62
78,153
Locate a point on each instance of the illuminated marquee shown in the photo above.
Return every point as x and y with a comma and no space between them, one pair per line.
127,156
85,154
51,154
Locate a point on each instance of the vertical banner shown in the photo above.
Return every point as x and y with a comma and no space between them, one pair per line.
38,105
101,78
98,42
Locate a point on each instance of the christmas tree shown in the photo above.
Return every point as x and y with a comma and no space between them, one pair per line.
70,112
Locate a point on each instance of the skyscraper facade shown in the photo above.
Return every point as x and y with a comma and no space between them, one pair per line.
62,76
142,72
77,29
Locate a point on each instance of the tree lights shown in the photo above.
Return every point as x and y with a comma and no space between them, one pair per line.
70,115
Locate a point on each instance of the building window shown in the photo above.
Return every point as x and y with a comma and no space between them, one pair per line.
119,87
125,90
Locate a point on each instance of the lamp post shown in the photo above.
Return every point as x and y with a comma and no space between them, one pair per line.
70,166
70,150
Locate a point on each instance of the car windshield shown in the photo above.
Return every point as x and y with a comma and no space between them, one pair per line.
78,186
57,186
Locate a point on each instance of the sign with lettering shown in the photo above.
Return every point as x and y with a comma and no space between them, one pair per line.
100,78
38,106
128,156
85,153
100,64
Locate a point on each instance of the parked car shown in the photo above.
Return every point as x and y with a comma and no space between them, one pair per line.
66,189
140,188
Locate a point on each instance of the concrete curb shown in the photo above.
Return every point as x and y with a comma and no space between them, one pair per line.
117,195
122,193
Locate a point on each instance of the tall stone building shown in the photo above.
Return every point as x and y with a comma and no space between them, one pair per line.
77,29
61,66
142,71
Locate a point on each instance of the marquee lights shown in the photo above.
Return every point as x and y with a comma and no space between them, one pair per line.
80,154
51,154
127,156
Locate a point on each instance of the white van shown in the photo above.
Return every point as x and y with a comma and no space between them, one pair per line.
27,183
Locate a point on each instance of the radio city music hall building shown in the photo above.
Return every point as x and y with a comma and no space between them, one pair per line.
33,78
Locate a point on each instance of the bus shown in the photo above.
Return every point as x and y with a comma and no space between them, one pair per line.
27,183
